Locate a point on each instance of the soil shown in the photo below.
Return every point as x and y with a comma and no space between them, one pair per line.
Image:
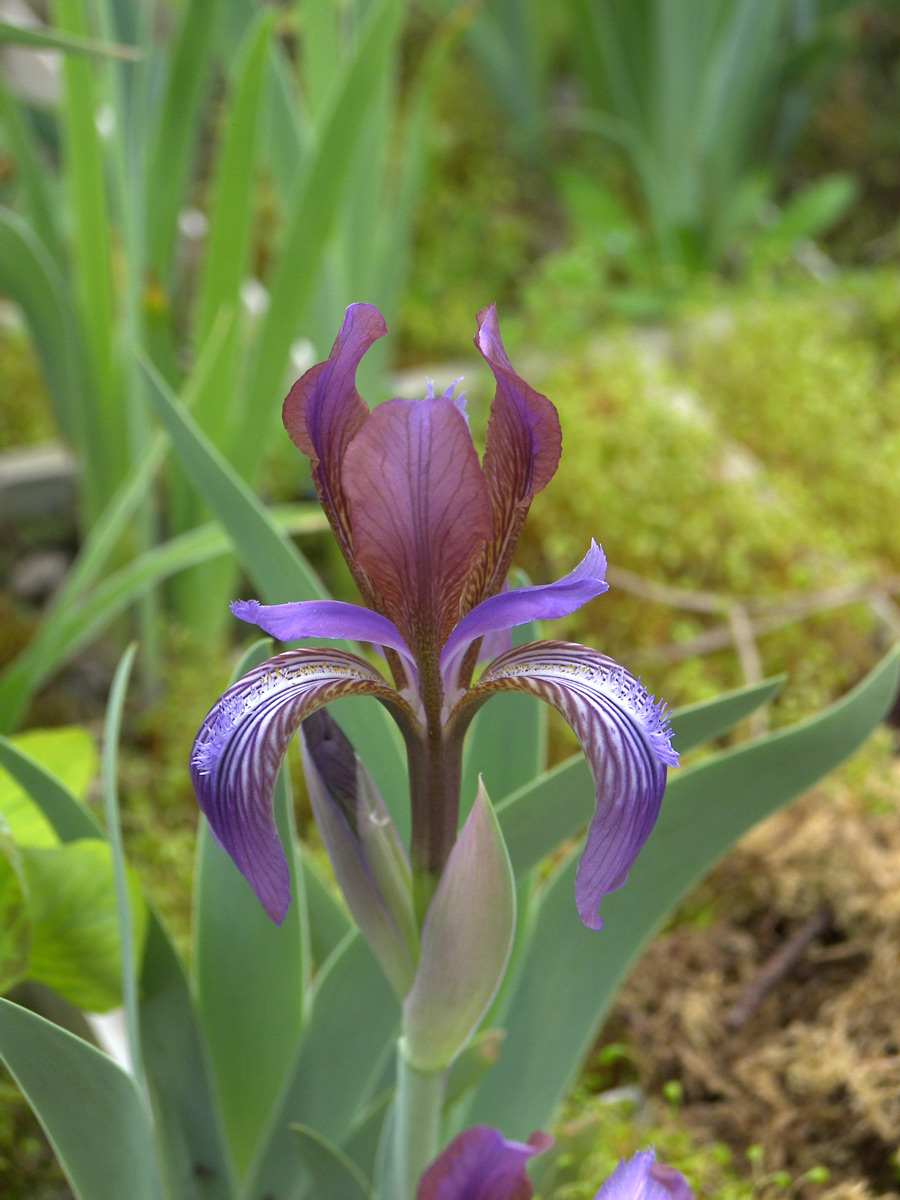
788,1046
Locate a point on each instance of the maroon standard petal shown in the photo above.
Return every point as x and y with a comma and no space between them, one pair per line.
481,1164
420,514
521,455
323,411
641,1178
626,739
240,746
545,602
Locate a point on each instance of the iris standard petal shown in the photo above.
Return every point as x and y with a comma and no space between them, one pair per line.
521,454
322,618
481,1164
420,513
546,602
240,746
323,411
641,1178
626,739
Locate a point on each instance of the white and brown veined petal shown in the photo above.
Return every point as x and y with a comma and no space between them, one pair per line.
626,740
240,746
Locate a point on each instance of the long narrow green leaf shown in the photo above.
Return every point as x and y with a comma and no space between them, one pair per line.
571,975
70,819
250,973
29,276
68,628
329,921
348,1038
111,734
91,1110
55,39
281,574
33,174
179,127
86,186
542,815
231,210
326,175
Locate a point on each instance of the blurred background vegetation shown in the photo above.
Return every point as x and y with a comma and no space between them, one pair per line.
687,212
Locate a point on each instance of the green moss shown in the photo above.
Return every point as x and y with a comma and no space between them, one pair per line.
25,416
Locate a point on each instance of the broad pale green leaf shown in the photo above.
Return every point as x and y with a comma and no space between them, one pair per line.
571,975
91,1110
15,914
76,948
333,1173
281,574
329,921
556,806
250,973
466,940
507,742
348,1039
186,1113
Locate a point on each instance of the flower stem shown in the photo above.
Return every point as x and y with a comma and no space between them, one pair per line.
417,1122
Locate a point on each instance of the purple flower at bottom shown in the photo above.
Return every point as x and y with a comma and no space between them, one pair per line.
429,533
641,1177
481,1164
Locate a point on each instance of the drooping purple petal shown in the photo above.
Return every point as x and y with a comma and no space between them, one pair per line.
240,746
322,619
521,454
323,412
626,739
547,602
642,1178
481,1164
419,511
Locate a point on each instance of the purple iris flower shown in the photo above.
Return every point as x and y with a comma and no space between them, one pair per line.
429,533
481,1164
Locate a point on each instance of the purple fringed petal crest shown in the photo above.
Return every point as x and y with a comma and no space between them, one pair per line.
547,602
419,512
481,1164
322,619
237,753
642,1178
626,740
324,411
521,454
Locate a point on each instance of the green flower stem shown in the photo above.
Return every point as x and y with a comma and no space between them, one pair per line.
417,1124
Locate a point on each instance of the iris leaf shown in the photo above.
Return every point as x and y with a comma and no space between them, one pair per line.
570,976
250,972
91,1110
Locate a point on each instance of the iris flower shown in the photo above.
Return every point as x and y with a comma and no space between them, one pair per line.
429,534
481,1164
